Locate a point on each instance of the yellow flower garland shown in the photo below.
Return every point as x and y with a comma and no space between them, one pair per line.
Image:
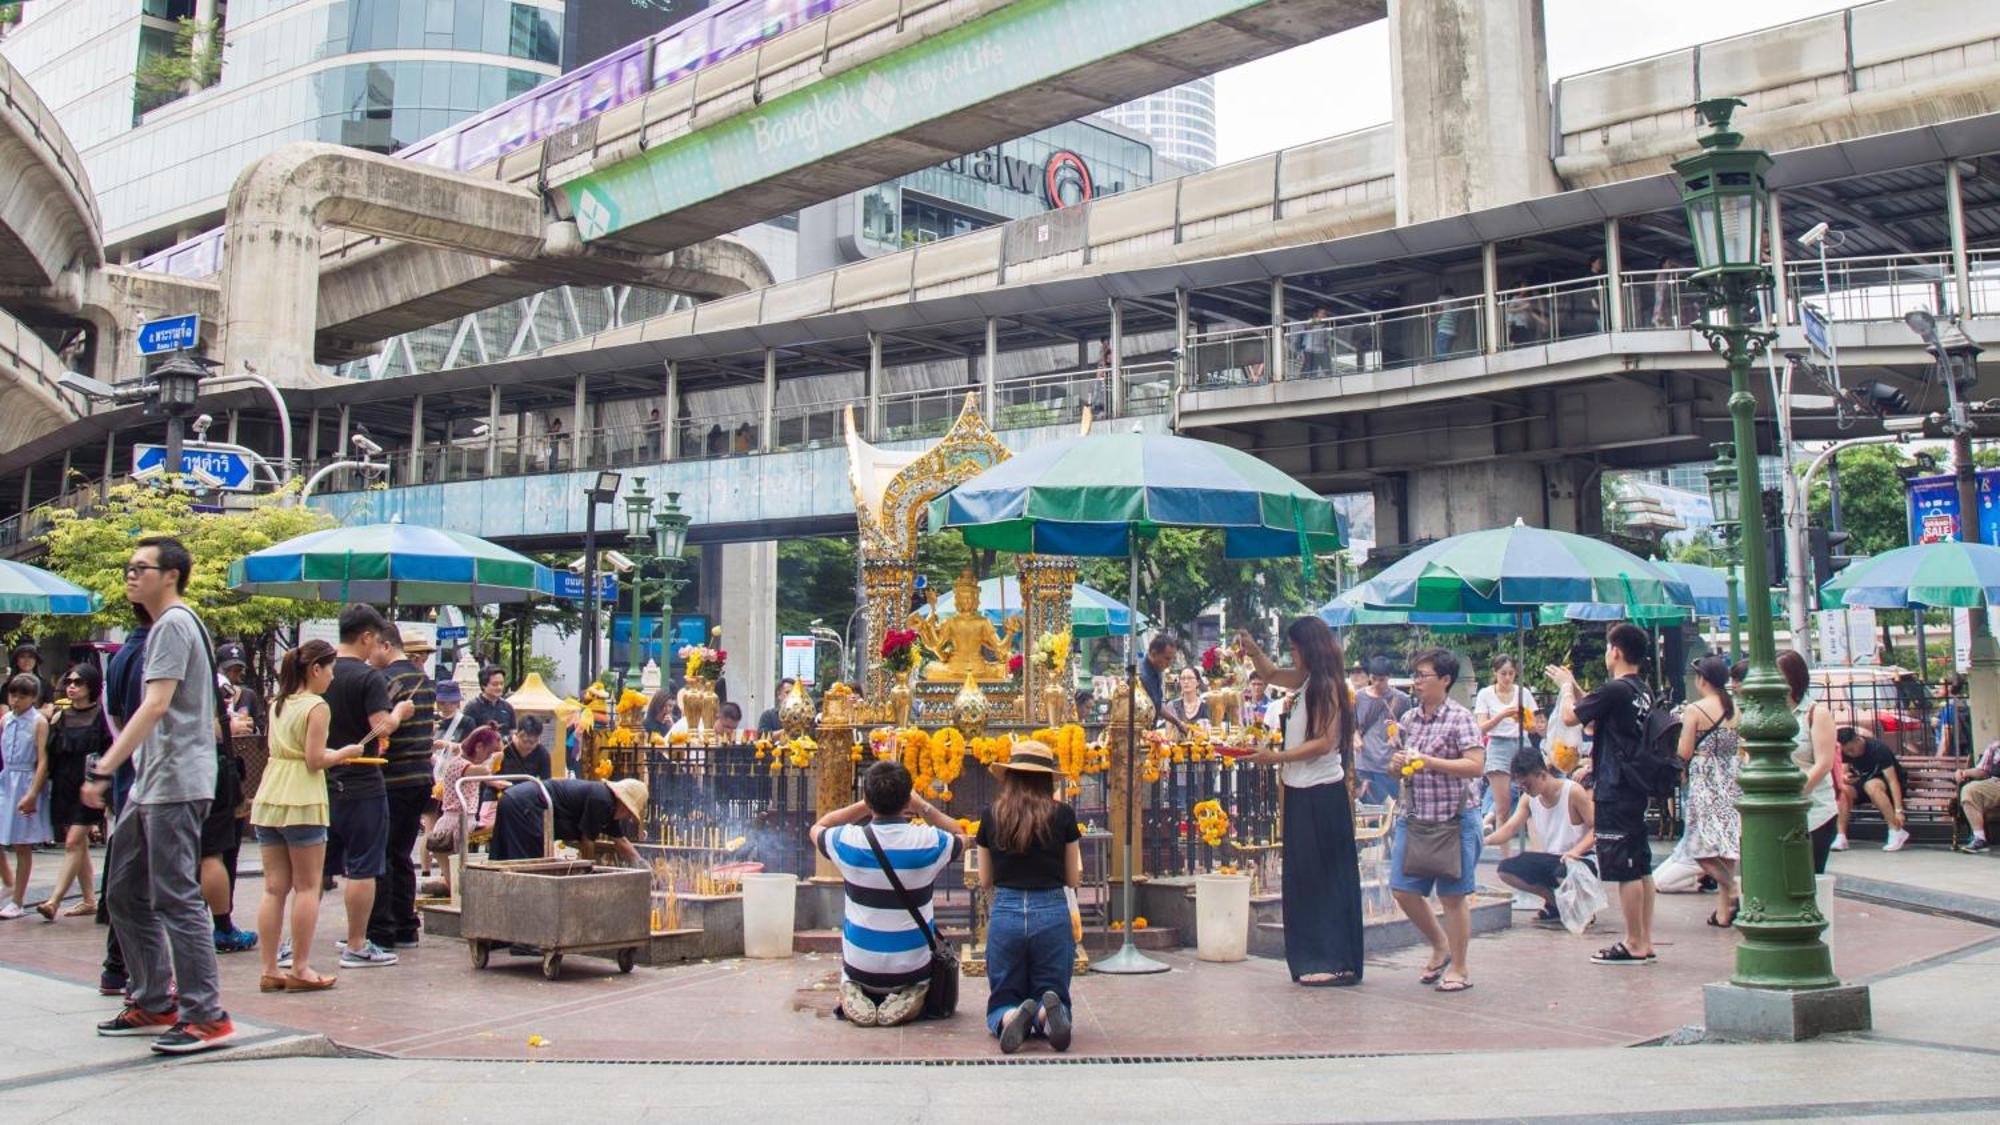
947,759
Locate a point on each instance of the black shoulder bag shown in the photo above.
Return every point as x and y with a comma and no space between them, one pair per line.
942,999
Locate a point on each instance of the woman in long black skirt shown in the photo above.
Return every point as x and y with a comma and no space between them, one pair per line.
1322,881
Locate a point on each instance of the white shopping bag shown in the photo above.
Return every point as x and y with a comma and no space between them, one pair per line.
1580,895
1559,732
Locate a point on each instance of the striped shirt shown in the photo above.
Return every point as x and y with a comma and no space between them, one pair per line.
881,947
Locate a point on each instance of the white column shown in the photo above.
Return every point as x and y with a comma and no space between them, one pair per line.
1274,363
342,432
745,577
670,414
989,382
1489,281
767,438
492,429
1117,358
579,418
1961,267
1181,328
27,485
233,422
871,426
1614,276
416,439
1781,294
110,461
62,482
312,436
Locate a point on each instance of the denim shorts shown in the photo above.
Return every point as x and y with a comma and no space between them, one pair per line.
1470,839
1500,755
293,835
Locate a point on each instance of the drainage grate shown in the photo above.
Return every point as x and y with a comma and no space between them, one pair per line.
1003,1060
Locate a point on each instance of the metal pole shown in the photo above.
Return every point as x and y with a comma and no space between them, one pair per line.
1128,959
1792,509
173,459
589,663
989,377
632,653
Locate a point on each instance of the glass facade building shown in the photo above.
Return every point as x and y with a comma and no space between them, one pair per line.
373,74
1180,121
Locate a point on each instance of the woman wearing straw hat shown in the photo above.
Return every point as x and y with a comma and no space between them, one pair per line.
584,812
1029,864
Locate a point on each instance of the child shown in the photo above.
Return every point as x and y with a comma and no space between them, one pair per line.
1561,813
24,773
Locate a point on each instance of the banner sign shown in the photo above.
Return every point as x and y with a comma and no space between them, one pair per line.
1934,514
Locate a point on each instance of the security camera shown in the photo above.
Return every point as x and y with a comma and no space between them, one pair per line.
201,424
366,445
1814,236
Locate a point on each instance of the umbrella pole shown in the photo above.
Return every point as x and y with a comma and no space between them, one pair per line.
1128,959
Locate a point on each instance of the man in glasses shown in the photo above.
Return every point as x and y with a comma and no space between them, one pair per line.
153,884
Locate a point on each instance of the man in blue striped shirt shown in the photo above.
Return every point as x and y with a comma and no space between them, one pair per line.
885,958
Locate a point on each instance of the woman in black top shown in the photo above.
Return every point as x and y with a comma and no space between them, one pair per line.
1028,854
77,733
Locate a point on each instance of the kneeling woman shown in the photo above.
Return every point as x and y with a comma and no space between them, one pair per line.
1029,852
584,811
1322,876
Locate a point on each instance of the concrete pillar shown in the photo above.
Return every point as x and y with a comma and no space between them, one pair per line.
27,485
1781,292
1181,332
342,432
1117,399
740,593
579,438
1274,366
1473,496
871,425
110,459
312,436
767,436
989,380
234,419
1470,88
670,414
492,429
1392,510
416,439
1489,285
1614,276
62,482
1954,210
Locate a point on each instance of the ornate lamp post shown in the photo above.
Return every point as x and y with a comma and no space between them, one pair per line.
603,489
670,528
1784,986
1722,496
176,388
638,545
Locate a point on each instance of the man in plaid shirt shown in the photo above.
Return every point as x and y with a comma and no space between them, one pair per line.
1440,738
1979,796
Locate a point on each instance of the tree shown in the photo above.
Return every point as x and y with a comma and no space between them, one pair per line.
1701,547
91,548
194,62
1183,573
1872,508
816,581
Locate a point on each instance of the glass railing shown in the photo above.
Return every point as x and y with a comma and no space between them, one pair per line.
923,413
1983,271
1660,299
1873,288
1148,387
1052,399
1542,314
1342,345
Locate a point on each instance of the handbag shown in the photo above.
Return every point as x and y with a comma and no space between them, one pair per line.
942,999
1433,849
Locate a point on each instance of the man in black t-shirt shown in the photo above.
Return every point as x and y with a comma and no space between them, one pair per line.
489,708
407,783
1869,768
359,713
1617,712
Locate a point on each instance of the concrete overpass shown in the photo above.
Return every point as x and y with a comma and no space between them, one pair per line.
49,229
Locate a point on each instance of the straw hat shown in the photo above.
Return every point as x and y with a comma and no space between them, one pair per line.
1027,757
631,792
418,646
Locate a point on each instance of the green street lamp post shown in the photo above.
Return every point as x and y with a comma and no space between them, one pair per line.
1722,496
670,528
649,538
1784,985
638,545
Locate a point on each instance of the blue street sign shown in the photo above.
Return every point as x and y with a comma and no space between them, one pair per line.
450,633
174,334
692,629
1816,329
201,466
571,586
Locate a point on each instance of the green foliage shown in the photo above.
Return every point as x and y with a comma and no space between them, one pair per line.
91,549
1183,574
1702,548
816,581
195,60
1872,508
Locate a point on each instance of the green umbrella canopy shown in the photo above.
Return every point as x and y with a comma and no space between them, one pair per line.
391,563
30,589
1950,573
1092,495
1508,568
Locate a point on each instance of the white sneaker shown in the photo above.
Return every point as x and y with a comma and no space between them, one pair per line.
1898,839
285,954
1839,843
11,911
371,956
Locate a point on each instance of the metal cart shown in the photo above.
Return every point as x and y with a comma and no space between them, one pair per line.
552,906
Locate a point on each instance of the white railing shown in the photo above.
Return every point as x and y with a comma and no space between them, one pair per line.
1881,287
1562,310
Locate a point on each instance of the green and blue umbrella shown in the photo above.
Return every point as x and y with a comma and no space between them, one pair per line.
30,589
1092,495
1958,575
1507,569
391,564
1092,613
1345,612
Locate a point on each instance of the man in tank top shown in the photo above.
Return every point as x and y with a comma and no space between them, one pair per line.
1559,812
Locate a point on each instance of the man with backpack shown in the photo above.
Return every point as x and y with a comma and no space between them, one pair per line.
1624,764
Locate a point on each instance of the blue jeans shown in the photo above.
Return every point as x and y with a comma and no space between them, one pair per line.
1376,786
1029,950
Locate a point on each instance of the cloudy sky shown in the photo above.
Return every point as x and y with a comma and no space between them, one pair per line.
1287,99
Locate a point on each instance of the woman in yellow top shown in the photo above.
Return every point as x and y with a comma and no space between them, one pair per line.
290,815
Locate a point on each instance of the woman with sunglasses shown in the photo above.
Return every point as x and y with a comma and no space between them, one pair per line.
78,735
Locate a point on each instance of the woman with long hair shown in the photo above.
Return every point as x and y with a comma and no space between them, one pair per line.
289,816
1322,873
1711,747
78,732
1186,705
1816,753
1029,856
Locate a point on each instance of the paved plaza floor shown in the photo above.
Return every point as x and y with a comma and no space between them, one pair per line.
1542,1034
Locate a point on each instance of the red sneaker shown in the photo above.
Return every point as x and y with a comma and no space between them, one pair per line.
134,1020
187,1038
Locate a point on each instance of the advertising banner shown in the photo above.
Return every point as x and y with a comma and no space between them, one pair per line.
1933,508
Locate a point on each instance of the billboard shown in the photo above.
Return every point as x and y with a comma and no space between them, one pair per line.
595,29
1933,508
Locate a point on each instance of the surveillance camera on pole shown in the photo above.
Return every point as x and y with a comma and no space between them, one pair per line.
367,445
1815,236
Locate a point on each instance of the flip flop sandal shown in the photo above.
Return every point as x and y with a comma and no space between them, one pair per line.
1453,986
1714,919
81,910
1435,973
1617,954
